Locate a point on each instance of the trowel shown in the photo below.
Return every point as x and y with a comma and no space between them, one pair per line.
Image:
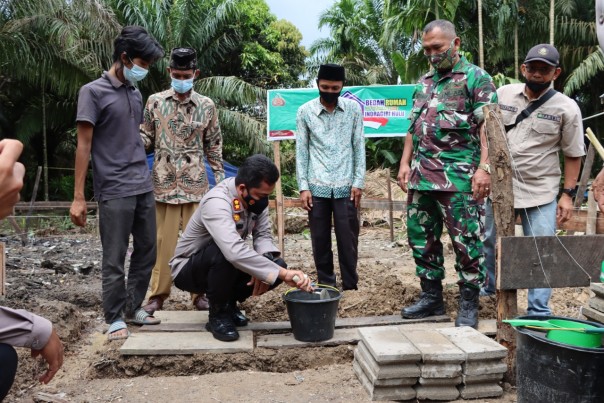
323,293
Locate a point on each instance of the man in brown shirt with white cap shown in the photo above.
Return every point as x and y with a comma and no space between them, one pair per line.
534,142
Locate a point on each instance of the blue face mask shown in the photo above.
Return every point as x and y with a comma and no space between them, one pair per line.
135,74
182,86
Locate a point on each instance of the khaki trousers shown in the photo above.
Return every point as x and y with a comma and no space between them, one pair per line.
168,217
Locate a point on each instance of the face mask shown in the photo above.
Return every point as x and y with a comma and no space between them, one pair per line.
444,60
135,74
182,86
538,87
329,97
255,206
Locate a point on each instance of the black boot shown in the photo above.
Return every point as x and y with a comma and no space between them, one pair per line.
220,322
430,301
467,315
239,319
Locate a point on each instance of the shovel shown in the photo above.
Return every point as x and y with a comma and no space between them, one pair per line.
547,325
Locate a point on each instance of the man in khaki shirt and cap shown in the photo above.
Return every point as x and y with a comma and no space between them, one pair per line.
212,256
534,143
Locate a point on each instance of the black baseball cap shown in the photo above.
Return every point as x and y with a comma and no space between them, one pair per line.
183,59
544,53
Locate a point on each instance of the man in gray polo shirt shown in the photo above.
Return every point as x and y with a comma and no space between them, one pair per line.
534,144
110,110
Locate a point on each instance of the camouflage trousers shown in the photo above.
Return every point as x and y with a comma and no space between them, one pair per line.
464,219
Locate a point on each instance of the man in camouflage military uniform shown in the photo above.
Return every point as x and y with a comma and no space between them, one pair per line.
181,126
445,169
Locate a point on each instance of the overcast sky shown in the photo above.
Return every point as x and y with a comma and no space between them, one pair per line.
304,14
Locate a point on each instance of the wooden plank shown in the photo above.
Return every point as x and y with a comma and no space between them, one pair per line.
592,212
340,336
375,204
2,270
280,216
184,343
193,321
51,205
585,174
524,260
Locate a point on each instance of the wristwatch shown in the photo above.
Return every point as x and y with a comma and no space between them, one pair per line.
572,192
485,167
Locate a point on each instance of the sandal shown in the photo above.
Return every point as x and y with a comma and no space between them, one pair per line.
116,327
141,317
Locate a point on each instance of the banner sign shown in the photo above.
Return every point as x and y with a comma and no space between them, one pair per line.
386,109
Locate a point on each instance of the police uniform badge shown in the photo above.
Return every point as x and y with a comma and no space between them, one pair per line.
236,213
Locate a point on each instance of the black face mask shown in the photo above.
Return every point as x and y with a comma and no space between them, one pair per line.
537,87
329,97
255,206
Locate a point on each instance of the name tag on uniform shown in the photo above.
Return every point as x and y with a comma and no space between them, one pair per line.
545,116
508,108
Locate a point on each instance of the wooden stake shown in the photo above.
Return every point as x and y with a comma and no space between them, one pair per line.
585,174
33,200
390,209
502,197
2,270
280,216
592,214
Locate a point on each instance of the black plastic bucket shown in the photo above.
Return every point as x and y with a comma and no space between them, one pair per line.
312,318
550,371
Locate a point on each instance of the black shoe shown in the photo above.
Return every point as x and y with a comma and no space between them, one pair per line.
221,324
467,315
239,319
430,301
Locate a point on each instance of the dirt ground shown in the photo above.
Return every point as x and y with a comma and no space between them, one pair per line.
57,275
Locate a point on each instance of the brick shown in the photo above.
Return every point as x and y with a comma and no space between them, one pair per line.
383,392
387,344
377,371
480,390
474,344
484,367
436,392
435,347
440,370
440,381
486,378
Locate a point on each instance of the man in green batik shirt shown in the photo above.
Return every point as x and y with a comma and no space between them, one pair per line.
445,170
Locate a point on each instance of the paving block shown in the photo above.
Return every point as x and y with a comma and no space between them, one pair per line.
436,392
484,367
480,390
474,344
377,371
440,370
388,344
435,347
439,381
490,378
184,343
383,392
597,303
182,316
382,382
592,314
598,289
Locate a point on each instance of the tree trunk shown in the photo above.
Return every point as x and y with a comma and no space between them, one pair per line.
516,57
480,37
502,197
44,145
552,16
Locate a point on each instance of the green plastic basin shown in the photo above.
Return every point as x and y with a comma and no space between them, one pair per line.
579,339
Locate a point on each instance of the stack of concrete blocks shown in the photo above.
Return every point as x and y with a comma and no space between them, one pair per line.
386,363
483,368
595,310
432,364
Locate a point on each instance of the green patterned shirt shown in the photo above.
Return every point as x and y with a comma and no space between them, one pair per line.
330,149
447,111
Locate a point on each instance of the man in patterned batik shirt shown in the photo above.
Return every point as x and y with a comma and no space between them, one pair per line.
444,168
181,126
330,168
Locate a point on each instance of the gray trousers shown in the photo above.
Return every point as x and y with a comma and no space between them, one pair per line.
118,218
